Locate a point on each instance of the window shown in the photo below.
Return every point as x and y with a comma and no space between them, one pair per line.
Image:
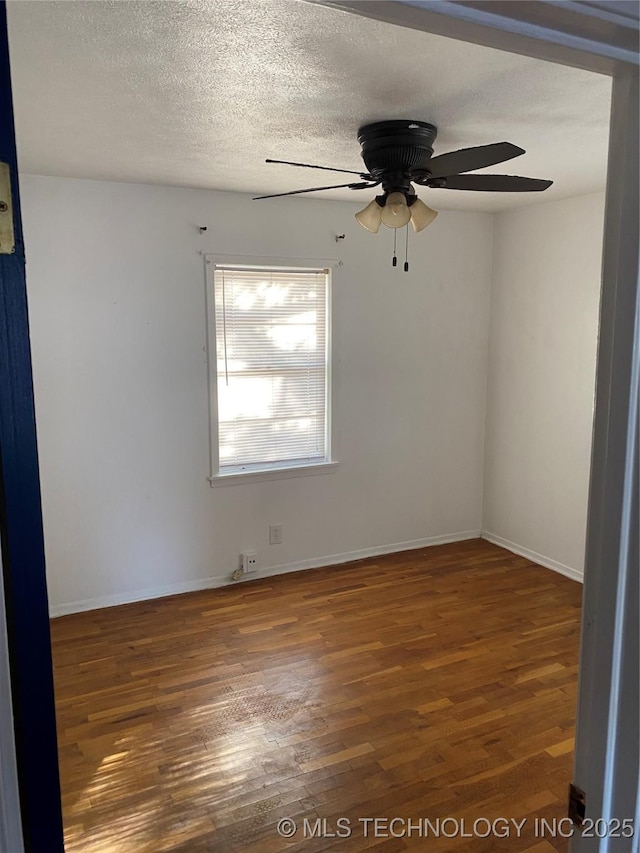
269,368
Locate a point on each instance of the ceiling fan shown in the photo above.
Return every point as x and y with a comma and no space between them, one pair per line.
398,154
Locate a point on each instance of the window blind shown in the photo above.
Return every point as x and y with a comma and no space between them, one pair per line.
272,352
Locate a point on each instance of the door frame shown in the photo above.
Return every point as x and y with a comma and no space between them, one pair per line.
597,36
33,780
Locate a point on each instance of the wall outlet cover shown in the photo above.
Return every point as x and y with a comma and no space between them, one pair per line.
249,561
275,534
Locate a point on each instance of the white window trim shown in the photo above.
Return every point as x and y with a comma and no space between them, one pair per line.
273,474
285,470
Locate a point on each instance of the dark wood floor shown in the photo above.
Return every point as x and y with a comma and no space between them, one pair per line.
438,683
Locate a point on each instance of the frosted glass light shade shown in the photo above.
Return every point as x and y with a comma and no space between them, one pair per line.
396,213
370,217
421,215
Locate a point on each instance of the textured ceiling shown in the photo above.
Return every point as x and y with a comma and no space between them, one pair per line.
199,93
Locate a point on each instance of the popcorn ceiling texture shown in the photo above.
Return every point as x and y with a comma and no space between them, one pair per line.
198,94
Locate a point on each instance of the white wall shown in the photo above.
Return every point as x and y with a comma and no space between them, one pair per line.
544,318
116,293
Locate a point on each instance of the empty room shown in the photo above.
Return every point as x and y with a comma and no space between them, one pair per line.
314,307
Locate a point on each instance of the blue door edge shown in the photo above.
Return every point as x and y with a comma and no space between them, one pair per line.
21,531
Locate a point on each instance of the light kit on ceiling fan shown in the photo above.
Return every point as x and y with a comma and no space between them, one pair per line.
398,154
421,215
370,217
395,211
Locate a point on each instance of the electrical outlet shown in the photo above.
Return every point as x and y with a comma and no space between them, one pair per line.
249,562
275,534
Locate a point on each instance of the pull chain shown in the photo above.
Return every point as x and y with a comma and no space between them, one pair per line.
406,251
394,262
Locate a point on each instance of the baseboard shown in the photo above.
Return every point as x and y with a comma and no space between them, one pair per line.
150,593
547,562
145,594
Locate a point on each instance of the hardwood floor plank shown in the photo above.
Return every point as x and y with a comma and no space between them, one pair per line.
433,684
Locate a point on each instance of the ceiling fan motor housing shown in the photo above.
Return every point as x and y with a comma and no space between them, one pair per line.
392,150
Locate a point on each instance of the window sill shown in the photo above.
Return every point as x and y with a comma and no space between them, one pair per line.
272,474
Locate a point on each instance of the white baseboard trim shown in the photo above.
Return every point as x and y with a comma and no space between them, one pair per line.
150,593
547,562
145,594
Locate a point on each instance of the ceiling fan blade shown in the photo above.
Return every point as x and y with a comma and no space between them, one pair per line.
495,183
361,186
468,159
309,166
